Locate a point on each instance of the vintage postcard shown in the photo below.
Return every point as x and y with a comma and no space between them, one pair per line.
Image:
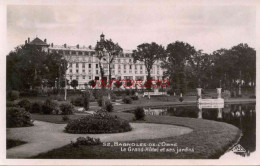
150,82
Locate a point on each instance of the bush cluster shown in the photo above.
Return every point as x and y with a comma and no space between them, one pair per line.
139,113
77,101
66,109
86,100
26,104
100,122
87,141
50,107
36,107
13,95
18,117
29,93
100,102
109,106
127,100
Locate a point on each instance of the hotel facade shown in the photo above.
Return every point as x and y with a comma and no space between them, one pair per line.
83,64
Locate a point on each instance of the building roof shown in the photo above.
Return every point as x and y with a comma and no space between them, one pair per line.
38,42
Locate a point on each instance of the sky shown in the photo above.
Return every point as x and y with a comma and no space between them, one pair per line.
205,27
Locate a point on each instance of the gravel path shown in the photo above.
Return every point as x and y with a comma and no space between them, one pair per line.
44,136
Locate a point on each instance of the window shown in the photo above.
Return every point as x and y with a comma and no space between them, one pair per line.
77,71
124,71
118,60
77,65
83,70
130,60
83,65
124,66
70,77
96,71
77,77
70,70
83,77
89,65
70,64
130,67
67,52
96,65
141,67
89,71
79,53
73,52
89,77
141,72
119,66
135,67
119,71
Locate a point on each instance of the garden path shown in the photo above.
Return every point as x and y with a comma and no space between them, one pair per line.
44,136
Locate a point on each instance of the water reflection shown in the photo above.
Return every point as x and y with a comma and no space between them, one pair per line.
241,115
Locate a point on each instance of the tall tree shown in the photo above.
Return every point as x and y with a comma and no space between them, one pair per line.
107,51
178,55
148,53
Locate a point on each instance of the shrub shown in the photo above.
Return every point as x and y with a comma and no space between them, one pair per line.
101,122
86,98
134,97
109,106
181,99
87,141
26,104
66,109
36,107
100,102
12,95
65,118
127,92
78,101
18,117
50,106
11,104
139,113
127,100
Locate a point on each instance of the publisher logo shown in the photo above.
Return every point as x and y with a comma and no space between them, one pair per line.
238,148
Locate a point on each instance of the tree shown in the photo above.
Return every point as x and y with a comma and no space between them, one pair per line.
74,84
178,55
25,67
107,51
148,53
92,83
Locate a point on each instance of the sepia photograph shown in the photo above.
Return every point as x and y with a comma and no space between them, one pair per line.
133,80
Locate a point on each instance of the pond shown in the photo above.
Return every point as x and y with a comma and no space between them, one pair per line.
242,116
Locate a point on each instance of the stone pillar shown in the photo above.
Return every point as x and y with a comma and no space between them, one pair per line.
219,93
199,92
200,113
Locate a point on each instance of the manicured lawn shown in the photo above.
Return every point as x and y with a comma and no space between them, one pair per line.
10,143
209,139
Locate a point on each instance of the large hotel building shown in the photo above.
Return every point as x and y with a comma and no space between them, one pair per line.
83,64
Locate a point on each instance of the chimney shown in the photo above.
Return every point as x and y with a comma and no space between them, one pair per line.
51,44
28,40
25,41
77,46
45,40
65,45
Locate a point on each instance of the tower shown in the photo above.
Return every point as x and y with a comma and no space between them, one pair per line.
102,37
